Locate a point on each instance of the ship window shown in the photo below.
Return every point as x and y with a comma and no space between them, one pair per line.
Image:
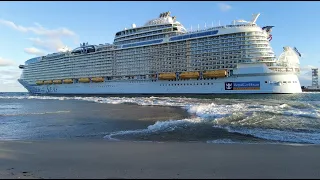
266,81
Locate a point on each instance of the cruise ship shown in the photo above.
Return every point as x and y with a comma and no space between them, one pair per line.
162,57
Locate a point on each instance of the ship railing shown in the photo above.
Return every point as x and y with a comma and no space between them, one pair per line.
266,60
285,69
221,27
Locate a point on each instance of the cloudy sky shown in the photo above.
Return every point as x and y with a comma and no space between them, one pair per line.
30,29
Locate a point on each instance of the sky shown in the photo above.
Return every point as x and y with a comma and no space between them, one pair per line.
30,29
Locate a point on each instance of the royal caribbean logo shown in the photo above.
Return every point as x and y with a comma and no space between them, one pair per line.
228,86
255,85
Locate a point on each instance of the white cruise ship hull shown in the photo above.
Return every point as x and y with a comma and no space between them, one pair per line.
237,84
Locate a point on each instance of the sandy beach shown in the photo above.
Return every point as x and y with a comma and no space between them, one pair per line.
104,159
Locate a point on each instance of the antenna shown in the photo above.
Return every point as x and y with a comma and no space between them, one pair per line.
198,27
205,25
219,22
212,24
254,18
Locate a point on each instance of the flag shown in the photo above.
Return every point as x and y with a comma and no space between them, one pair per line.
270,37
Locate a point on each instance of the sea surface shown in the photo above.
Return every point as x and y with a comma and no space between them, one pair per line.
291,118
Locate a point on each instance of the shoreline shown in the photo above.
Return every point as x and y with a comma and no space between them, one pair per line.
123,159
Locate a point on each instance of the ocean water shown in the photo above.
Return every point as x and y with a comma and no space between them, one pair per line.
261,118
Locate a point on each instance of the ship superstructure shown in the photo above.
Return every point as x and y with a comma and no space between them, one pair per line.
162,57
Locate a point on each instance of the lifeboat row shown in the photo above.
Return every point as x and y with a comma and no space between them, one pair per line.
70,81
162,76
193,75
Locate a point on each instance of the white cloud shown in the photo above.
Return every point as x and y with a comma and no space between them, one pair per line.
46,41
48,44
34,51
224,7
64,49
6,62
40,30
51,40
9,80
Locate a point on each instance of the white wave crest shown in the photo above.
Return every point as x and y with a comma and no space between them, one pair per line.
214,110
224,141
35,113
278,135
159,126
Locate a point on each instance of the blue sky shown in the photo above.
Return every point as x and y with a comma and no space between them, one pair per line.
28,29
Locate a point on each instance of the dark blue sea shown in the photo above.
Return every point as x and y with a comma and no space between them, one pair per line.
279,118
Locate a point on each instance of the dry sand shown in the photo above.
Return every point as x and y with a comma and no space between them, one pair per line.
102,159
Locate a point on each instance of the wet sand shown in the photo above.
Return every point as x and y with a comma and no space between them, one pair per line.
104,159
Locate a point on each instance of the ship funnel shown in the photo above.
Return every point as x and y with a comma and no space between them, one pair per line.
133,26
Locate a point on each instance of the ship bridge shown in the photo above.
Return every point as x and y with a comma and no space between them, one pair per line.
164,18
158,28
